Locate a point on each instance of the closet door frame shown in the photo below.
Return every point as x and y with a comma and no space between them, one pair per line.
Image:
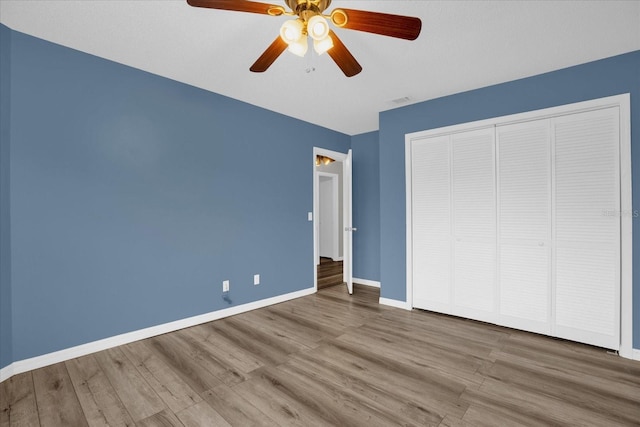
626,208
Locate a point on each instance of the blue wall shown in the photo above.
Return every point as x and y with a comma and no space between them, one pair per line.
366,206
611,76
133,197
5,225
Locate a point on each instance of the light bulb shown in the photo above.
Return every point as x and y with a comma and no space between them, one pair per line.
291,31
299,47
321,46
318,27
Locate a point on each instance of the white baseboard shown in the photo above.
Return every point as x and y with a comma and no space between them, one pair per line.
6,372
635,354
395,303
366,282
26,365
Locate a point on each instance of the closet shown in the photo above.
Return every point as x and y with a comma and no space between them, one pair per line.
517,222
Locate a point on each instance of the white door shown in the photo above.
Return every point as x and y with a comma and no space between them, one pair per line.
431,216
587,227
348,223
474,224
524,225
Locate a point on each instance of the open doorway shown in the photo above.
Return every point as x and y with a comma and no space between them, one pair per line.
330,269
329,210
332,219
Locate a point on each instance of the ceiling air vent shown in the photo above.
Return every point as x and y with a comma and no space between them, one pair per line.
400,101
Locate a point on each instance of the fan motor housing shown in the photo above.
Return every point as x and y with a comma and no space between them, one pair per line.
301,5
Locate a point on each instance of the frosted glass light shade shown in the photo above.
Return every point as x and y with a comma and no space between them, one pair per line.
318,27
299,47
321,46
291,31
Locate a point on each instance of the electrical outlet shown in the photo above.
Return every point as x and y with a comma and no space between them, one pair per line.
225,286
256,279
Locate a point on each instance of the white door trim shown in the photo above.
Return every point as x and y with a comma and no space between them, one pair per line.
626,208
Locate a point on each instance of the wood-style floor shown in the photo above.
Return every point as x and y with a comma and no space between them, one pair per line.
332,360
329,273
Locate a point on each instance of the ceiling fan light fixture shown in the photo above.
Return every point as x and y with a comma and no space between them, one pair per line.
318,27
291,31
323,160
321,46
299,47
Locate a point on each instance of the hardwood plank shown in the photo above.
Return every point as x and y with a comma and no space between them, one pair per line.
475,333
335,404
56,398
262,346
565,373
450,421
287,402
201,414
514,402
431,395
576,392
135,393
280,328
456,366
328,315
579,358
175,393
186,360
99,400
18,402
367,388
489,413
279,406
206,355
235,409
164,418
230,356
306,321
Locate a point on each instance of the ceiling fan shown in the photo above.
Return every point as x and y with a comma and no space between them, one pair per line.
311,22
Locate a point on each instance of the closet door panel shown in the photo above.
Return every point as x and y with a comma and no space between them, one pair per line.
474,288
587,227
586,294
474,219
524,225
431,216
524,287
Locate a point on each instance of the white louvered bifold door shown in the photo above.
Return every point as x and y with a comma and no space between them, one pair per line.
474,224
524,225
587,227
431,217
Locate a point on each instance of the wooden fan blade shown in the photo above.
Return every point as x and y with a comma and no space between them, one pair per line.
238,5
269,56
402,27
341,56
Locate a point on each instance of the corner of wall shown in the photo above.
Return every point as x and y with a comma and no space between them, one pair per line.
6,335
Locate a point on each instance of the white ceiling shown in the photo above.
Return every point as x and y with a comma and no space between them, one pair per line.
463,45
